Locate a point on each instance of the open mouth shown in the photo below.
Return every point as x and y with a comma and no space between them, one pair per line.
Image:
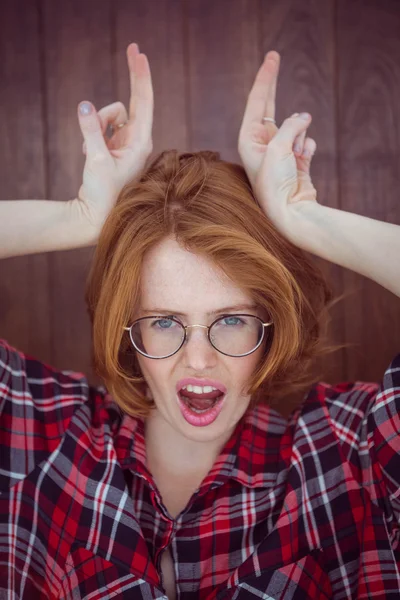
200,403
200,409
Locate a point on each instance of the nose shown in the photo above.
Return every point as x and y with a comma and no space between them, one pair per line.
199,354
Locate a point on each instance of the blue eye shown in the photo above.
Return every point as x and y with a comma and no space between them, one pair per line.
236,320
162,323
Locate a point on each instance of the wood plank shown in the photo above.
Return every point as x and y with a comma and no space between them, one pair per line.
77,43
24,299
368,161
158,29
203,56
222,60
303,34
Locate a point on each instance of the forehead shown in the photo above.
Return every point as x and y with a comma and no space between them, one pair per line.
180,280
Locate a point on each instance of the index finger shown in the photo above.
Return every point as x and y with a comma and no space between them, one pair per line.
141,101
132,52
261,100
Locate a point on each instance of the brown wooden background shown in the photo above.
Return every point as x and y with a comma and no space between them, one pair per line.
340,61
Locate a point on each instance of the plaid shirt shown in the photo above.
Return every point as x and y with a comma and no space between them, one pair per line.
298,508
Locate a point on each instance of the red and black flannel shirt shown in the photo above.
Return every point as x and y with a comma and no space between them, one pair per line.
300,508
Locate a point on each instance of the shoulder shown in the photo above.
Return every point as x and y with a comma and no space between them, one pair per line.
334,425
359,424
37,406
347,405
22,374
342,406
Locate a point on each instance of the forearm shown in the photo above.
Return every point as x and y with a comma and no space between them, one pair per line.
32,226
364,245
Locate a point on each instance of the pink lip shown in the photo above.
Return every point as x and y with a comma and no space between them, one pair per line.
202,382
204,419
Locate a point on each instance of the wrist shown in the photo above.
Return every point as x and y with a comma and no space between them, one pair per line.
84,231
308,226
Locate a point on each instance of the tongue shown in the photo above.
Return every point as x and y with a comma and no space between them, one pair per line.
201,401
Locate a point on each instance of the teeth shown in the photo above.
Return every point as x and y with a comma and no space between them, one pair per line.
198,389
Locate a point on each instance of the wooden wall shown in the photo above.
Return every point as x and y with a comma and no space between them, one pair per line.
340,61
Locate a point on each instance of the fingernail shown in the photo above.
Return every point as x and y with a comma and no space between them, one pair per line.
297,149
306,153
294,115
85,108
304,116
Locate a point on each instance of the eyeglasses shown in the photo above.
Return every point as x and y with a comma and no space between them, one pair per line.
161,336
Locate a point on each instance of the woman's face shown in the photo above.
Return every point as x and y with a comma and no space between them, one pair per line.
177,282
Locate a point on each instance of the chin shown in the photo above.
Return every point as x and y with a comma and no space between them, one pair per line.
221,428
210,433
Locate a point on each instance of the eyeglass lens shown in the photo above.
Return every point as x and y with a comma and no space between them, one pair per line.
162,336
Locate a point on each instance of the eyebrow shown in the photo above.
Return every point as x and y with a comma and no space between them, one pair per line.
168,311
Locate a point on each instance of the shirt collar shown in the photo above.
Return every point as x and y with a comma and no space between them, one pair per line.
253,456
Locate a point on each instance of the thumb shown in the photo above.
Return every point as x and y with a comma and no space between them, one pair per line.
91,129
292,127
304,160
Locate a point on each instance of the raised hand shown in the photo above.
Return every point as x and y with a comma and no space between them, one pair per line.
113,161
277,161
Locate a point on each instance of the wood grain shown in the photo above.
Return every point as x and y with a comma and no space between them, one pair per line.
222,60
24,291
368,46
340,62
159,31
303,33
77,43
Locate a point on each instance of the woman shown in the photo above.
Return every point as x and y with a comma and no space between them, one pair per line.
178,479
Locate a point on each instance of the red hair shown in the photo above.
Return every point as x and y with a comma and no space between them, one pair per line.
208,206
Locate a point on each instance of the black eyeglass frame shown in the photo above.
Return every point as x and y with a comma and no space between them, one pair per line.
208,327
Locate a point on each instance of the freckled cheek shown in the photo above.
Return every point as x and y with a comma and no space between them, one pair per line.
243,374
156,373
